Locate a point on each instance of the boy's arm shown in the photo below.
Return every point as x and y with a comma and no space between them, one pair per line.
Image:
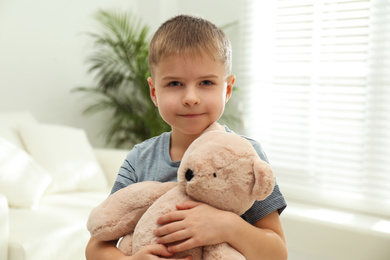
199,224
107,250
101,250
264,240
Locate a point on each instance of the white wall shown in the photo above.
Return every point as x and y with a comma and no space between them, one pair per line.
43,51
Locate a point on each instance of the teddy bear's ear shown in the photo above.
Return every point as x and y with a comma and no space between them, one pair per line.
215,127
264,180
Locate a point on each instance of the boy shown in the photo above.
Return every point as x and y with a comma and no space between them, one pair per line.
190,83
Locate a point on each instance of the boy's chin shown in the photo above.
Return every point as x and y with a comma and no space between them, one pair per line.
192,130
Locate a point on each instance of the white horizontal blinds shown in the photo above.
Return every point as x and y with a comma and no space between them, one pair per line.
317,101
378,112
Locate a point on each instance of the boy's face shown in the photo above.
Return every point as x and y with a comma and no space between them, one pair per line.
190,92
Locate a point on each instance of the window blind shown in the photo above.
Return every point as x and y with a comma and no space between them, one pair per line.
316,74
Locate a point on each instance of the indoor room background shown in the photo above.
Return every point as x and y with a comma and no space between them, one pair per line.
314,89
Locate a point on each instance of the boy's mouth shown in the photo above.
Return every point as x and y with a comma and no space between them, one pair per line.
191,115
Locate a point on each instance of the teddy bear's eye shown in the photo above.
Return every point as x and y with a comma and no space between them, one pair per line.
215,175
189,175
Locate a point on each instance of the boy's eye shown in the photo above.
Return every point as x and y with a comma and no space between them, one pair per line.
174,84
207,83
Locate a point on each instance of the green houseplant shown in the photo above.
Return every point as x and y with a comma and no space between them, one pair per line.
119,62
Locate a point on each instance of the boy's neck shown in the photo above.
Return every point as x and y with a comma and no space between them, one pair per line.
179,144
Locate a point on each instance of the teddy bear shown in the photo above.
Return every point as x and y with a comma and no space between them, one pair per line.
219,168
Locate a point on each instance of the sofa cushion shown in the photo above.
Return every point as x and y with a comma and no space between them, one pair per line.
54,230
10,123
66,154
22,180
4,227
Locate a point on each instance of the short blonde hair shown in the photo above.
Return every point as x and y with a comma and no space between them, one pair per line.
190,35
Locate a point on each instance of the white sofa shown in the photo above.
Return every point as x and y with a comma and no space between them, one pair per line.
50,179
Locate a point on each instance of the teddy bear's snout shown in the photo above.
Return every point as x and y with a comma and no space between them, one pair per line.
189,175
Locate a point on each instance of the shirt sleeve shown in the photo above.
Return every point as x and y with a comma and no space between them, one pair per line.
260,209
126,175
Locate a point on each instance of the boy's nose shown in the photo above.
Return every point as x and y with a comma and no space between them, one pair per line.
191,97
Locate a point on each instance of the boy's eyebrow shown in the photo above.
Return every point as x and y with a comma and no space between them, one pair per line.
209,76
201,77
170,78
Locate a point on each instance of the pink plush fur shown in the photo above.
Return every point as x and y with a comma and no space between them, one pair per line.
219,168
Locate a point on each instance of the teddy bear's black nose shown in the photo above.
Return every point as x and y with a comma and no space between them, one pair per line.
189,174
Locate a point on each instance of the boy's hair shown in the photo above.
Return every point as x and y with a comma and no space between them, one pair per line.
190,35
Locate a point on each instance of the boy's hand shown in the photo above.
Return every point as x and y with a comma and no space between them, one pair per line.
194,224
154,252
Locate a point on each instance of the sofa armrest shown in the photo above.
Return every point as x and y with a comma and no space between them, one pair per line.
4,227
111,160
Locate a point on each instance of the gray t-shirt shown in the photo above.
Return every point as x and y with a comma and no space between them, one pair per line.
150,161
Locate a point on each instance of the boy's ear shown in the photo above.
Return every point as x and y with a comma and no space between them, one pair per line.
152,90
229,89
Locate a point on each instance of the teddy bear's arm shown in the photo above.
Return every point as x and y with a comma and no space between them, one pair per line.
221,251
117,215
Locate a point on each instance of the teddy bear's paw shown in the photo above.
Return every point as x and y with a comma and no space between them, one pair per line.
221,251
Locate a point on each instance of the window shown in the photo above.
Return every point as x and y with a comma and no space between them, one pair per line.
316,75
